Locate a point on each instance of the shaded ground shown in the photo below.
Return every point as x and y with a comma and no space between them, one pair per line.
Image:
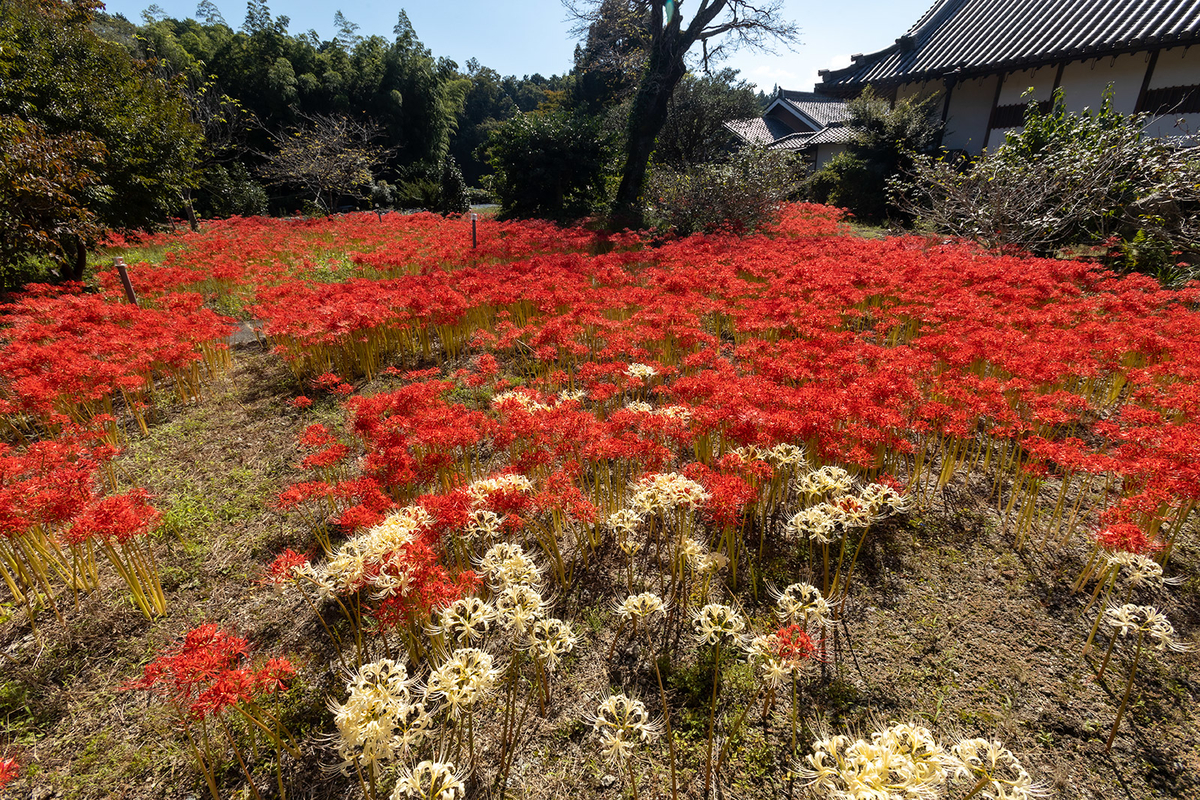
948,626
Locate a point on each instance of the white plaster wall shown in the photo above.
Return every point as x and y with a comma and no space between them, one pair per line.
1177,66
967,117
1017,83
908,90
1084,82
997,137
827,151
1186,125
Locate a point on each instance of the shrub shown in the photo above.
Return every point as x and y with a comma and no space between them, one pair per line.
550,165
886,140
1068,180
452,193
230,191
418,192
739,196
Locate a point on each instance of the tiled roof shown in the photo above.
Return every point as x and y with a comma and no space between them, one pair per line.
759,130
971,37
797,141
820,108
837,134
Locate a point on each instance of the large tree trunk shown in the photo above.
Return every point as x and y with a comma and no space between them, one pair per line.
664,70
189,209
76,259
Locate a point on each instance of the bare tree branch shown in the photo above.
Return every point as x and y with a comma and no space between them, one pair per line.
328,156
730,24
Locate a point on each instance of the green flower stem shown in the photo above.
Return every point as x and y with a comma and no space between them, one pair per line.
712,716
1128,688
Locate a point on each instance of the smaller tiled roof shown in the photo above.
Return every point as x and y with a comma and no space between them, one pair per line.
759,130
836,134
829,113
797,141
820,108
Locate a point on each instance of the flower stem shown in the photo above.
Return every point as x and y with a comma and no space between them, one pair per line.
712,716
1128,688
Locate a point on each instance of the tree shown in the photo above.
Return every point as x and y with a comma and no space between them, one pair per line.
727,24
452,195
71,87
612,57
327,157
694,132
548,165
887,139
485,105
264,73
45,182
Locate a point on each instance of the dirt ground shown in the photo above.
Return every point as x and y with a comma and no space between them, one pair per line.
948,626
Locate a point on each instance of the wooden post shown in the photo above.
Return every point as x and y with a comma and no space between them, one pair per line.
119,263
474,231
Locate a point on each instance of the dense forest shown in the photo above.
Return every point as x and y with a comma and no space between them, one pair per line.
204,118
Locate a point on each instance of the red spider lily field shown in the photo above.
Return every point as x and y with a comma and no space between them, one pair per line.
351,508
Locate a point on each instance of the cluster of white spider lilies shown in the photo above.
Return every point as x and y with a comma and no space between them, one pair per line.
906,761
1128,573
391,717
420,729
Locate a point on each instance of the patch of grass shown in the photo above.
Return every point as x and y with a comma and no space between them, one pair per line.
185,513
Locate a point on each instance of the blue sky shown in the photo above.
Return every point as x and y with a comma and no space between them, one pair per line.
528,36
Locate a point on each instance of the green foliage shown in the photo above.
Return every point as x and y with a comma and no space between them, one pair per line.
741,195
1066,180
121,135
612,57
550,165
328,157
485,103
282,80
46,183
452,193
886,140
419,192
694,132
228,191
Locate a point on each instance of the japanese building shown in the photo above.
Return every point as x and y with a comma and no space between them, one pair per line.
989,58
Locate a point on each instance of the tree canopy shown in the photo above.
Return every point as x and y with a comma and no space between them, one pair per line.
116,159
718,26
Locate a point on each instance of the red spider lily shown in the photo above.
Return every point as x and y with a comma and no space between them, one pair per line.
274,675
793,643
299,493
182,673
1126,537
282,569
8,771
204,675
116,518
71,353
891,357
728,495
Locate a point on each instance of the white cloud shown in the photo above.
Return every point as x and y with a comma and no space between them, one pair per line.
838,62
771,74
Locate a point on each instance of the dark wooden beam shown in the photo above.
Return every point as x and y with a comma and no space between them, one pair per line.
992,114
1150,65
